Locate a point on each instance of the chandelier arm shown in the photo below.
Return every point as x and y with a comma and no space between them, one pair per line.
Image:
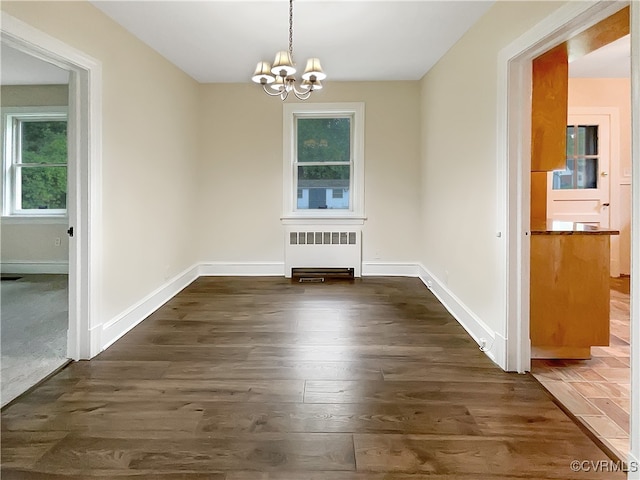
302,96
275,94
303,90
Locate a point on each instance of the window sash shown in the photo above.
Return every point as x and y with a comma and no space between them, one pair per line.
14,120
297,163
293,111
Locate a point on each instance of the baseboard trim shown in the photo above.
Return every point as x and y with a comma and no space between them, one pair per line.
118,326
477,329
495,344
32,268
387,269
241,269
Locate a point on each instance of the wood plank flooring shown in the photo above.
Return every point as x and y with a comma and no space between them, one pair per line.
265,379
597,391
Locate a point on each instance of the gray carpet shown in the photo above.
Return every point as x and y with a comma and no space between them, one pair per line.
34,316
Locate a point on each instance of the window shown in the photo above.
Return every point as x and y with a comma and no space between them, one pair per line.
34,162
581,171
324,161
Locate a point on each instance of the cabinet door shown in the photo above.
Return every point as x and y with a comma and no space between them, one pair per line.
569,290
549,101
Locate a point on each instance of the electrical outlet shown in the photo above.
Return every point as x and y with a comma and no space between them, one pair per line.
57,242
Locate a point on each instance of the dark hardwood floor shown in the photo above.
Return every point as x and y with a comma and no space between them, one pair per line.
266,379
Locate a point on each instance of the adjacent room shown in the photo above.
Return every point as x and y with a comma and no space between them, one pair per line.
293,241
35,249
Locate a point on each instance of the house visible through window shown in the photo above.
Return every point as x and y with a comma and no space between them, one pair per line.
324,160
35,162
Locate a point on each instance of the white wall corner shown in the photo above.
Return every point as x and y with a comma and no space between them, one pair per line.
241,269
121,324
475,327
389,269
31,268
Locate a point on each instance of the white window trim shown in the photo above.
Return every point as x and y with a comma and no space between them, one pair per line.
356,211
9,214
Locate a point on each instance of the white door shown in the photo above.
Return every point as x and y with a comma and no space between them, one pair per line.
580,192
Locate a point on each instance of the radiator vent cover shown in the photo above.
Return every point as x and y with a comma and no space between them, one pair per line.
322,238
323,247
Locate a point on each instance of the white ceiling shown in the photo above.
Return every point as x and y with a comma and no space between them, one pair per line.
611,61
222,41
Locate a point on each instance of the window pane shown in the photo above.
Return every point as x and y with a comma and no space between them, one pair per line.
43,187
571,133
44,142
586,173
587,140
318,183
579,174
324,139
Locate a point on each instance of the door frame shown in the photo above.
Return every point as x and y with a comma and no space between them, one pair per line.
513,172
84,194
514,158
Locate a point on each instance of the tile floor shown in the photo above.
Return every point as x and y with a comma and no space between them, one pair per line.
596,391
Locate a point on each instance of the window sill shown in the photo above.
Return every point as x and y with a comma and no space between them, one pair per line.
35,220
323,219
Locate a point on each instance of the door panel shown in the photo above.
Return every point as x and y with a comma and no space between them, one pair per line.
580,192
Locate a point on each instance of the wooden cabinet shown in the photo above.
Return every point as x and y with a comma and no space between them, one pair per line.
549,103
569,309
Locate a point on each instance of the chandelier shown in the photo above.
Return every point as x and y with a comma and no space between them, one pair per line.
280,79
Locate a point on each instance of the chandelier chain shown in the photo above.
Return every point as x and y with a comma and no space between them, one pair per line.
291,28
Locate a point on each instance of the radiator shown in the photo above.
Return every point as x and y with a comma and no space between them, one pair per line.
323,248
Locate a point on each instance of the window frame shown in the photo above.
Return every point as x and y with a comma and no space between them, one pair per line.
11,153
293,111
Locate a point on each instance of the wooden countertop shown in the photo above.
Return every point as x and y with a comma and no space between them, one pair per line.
557,227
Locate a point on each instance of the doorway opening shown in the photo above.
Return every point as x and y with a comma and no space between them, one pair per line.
84,133
34,292
594,189
568,21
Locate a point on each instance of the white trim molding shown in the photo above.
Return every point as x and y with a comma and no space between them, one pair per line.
105,335
241,269
292,111
635,237
33,268
491,343
115,328
389,269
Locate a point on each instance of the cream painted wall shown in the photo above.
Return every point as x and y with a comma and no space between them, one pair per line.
241,171
613,92
150,148
33,242
458,167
